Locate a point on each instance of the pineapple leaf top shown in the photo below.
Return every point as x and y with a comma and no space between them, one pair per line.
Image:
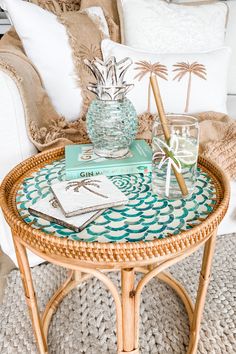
109,75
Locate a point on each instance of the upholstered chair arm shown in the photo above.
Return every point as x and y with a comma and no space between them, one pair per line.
16,72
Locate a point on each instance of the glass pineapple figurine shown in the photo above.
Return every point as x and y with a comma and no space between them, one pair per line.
111,118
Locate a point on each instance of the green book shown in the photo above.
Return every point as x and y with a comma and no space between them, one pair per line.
82,162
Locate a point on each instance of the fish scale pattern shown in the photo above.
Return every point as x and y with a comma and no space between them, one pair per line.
144,218
85,320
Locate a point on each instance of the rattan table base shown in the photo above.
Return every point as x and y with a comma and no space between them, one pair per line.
128,302
83,259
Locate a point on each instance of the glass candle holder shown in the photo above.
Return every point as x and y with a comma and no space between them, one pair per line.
179,154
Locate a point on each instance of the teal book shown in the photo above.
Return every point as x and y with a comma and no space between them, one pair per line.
82,162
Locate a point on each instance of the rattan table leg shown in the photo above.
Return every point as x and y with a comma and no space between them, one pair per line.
30,296
180,290
201,293
74,279
128,311
174,284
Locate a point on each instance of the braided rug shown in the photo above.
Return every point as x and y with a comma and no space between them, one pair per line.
85,320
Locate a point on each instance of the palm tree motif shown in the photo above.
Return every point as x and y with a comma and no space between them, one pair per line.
54,202
192,69
144,68
89,53
85,183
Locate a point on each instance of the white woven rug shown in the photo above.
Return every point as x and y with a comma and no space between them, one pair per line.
85,320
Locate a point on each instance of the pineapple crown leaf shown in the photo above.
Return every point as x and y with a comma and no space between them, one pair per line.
109,72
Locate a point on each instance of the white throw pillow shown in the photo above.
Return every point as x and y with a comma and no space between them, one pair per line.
46,43
205,89
172,28
230,40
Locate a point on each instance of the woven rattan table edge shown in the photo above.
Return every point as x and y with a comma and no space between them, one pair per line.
106,252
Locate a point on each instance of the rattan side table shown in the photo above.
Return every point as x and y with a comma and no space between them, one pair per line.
148,235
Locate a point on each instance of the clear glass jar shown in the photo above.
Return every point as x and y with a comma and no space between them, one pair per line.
179,153
111,126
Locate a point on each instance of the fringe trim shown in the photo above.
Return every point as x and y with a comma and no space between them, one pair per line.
10,70
78,64
96,20
58,6
145,123
114,30
58,132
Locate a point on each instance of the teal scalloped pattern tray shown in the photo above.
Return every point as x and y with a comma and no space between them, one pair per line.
145,218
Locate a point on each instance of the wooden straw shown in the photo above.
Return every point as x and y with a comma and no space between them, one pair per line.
165,128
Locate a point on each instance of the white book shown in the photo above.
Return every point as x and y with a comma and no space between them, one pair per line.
87,194
48,208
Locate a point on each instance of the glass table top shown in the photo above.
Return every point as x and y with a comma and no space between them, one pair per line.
144,218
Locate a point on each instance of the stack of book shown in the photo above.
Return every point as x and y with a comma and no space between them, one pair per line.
87,192
82,162
74,204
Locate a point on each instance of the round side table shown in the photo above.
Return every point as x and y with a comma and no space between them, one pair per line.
148,235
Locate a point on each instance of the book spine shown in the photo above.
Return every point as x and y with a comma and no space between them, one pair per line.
55,220
114,171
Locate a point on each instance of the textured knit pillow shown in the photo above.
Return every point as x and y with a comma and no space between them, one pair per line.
58,6
57,45
189,83
159,26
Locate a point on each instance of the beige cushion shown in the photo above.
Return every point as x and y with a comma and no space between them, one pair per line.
110,9
110,6
84,38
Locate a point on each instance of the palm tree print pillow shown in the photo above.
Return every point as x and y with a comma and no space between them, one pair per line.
189,83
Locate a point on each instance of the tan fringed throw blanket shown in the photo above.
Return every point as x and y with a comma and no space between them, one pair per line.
46,129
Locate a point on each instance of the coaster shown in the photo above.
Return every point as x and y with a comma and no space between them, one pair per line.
87,194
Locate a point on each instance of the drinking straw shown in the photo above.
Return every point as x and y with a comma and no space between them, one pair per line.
166,131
